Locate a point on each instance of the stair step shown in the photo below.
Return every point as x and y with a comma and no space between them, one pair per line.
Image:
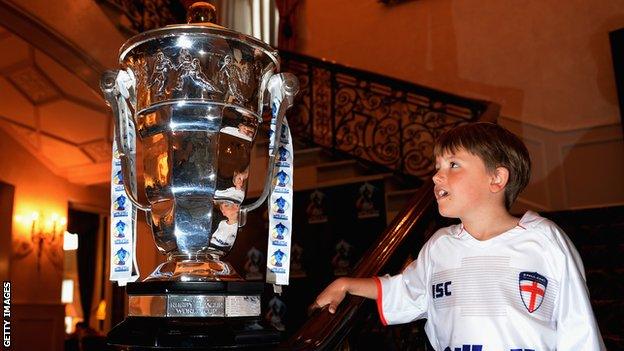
312,156
263,144
303,156
329,171
343,181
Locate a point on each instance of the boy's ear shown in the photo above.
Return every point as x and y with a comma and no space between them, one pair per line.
499,179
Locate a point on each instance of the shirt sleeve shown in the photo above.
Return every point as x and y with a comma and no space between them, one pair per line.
576,325
403,298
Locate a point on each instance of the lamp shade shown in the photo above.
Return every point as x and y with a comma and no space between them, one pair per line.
100,314
70,241
67,291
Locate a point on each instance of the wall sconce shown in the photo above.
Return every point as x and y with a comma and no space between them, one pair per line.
44,232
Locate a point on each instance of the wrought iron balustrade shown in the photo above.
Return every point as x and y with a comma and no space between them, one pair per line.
378,119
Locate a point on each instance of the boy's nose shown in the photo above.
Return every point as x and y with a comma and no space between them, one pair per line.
437,177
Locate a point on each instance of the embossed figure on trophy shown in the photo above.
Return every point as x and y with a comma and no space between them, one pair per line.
142,75
189,69
162,65
232,76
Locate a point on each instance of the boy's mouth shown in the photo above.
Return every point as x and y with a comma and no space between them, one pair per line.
440,193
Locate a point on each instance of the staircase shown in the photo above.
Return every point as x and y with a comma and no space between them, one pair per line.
353,129
339,178
340,109
598,235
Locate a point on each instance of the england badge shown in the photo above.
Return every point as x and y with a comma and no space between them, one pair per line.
532,289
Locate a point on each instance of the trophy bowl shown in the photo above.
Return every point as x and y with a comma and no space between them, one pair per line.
193,95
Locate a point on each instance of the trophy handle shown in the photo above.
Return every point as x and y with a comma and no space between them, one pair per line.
118,88
282,88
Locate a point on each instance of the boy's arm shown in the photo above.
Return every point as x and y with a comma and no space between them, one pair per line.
337,290
400,298
576,325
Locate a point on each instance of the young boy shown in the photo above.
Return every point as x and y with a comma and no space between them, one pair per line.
493,282
225,234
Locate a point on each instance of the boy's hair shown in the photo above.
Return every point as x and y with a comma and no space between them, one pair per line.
496,146
244,171
220,202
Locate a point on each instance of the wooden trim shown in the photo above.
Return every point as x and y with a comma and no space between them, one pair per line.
52,43
102,211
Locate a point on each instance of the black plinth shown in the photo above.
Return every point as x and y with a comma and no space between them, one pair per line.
193,333
154,333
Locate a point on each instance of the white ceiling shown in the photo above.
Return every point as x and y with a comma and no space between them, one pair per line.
53,114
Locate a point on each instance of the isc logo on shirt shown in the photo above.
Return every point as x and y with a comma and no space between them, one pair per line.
441,289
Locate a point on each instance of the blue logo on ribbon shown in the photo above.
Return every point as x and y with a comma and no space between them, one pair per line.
120,227
118,178
281,204
277,257
283,154
279,231
284,134
121,256
120,203
282,178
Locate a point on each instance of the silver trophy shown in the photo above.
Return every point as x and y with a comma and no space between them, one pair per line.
193,95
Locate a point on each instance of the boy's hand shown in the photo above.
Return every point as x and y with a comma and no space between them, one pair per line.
332,295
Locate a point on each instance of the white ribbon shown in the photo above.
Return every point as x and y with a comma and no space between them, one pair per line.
123,237
280,206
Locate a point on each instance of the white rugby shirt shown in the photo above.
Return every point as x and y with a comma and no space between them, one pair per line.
521,290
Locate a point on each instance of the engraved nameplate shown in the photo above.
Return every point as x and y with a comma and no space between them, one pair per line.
242,306
147,305
195,306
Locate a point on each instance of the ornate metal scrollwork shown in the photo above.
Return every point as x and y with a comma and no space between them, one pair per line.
378,119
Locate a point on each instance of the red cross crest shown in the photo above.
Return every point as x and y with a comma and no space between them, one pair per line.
532,289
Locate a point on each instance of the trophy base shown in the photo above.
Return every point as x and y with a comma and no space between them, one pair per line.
204,268
194,299
148,333
193,315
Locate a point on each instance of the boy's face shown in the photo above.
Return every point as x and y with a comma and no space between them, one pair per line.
245,129
239,180
462,184
230,211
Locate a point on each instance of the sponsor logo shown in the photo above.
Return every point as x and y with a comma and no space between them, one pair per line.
441,290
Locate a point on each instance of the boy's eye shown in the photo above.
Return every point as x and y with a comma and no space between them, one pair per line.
454,165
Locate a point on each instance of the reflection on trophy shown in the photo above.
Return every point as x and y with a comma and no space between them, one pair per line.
193,96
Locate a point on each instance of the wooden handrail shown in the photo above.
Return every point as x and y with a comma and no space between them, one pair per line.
322,328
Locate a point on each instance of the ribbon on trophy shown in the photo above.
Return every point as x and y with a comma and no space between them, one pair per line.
123,235
280,204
